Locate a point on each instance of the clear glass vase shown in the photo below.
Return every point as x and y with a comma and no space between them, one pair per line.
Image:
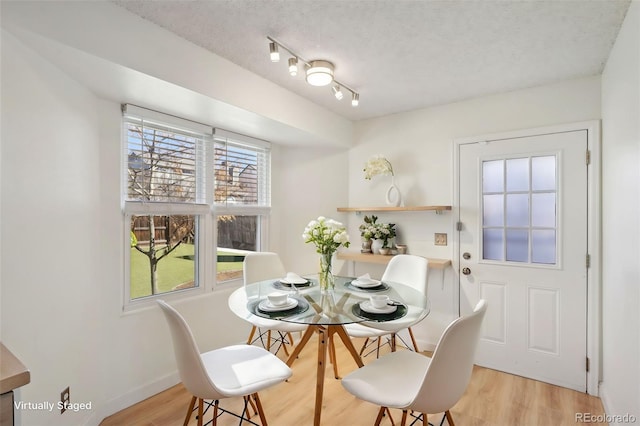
327,281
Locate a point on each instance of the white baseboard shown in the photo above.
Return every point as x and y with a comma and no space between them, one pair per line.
132,397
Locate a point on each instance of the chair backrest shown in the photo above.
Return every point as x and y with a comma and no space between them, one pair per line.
451,365
407,269
190,366
260,266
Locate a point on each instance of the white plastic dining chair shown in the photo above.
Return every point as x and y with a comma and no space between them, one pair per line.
232,371
405,269
260,266
409,380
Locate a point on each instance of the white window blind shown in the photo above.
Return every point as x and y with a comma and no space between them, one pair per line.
165,158
241,170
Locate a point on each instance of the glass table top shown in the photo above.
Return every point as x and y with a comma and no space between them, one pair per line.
347,303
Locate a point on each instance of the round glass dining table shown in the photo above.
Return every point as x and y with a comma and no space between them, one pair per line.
326,312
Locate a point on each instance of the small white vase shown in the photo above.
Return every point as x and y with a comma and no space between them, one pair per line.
376,245
394,197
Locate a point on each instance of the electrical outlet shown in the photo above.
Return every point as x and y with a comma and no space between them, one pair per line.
440,239
64,400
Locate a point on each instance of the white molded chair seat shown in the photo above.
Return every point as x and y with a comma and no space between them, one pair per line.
239,370
411,381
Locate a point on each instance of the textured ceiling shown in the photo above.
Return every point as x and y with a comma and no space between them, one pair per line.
402,55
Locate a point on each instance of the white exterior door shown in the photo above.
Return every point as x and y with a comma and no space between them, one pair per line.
523,247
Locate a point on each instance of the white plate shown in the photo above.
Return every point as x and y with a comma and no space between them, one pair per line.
266,306
368,307
365,283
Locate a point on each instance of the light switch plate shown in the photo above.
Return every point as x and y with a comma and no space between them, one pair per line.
440,239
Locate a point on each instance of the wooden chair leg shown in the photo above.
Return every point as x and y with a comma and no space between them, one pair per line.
200,404
413,340
378,348
251,333
425,420
449,418
390,417
253,405
269,340
214,422
404,418
263,419
364,345
190,410
393,342
380,415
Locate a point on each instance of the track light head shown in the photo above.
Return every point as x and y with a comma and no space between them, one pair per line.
293,66
273,51
337,92
355,99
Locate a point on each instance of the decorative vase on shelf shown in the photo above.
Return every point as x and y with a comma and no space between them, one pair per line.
376,245
394,197
366,246
327,281
385,251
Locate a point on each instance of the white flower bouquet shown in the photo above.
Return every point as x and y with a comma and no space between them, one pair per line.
377,165
327,235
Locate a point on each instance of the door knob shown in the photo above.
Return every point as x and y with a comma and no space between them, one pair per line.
466,256
466,271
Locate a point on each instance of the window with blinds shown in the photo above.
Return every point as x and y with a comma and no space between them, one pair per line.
182,180
241,170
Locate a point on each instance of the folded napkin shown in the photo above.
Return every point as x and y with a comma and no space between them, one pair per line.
294,278
365,279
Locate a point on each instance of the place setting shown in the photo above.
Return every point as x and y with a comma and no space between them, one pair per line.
367,284
379,307
279,305
292,281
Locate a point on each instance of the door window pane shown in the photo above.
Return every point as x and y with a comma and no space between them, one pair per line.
543,173
543,210
543,246
493,176
493,210
518,174
518,210
517,245
492,243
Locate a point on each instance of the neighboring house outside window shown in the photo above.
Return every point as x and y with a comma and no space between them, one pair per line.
186,187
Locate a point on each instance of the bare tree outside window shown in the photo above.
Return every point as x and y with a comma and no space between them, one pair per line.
161,168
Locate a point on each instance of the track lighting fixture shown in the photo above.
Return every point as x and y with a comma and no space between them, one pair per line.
293,66
318,72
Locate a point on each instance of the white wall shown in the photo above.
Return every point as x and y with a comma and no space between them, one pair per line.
419,144
62,263
620,389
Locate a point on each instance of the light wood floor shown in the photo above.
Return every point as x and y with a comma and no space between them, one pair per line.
492,399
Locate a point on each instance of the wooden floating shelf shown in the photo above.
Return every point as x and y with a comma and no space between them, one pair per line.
383,260
437,209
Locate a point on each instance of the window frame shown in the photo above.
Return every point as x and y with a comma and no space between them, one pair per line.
204,207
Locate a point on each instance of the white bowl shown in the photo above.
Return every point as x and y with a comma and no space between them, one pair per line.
277,299
379,301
